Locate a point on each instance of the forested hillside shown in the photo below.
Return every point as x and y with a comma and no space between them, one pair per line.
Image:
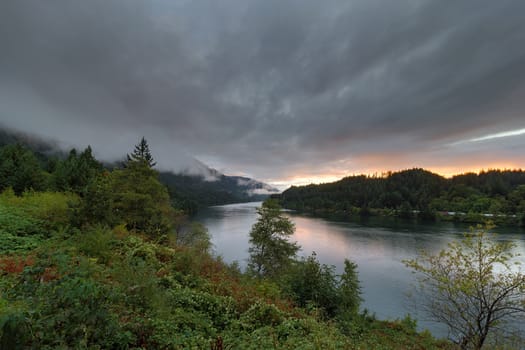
193,191
495,194
97,259
188,190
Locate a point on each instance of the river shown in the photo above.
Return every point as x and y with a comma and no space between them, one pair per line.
377,245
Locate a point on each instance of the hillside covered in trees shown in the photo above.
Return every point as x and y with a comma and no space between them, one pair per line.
98,259
192,192
498,195
188,190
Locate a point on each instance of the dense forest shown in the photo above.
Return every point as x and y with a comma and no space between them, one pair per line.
189,191
498,195
92,258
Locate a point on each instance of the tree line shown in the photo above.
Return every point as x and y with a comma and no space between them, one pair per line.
31,163
130,193
495,194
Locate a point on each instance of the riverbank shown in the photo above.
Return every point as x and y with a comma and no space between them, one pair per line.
497,195
358,214
96,287
377,244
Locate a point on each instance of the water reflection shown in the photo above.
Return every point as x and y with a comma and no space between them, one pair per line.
378,246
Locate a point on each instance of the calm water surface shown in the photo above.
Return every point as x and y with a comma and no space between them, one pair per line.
377,245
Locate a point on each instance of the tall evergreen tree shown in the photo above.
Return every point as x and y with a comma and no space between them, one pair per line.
350,291
140,201
141,153
270,250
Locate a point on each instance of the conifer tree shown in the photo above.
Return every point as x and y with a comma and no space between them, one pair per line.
270,250
141,153
139,199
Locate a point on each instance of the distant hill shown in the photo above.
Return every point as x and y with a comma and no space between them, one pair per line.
196,186
498,195
193,190
43,149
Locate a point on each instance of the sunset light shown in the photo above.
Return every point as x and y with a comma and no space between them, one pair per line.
262,174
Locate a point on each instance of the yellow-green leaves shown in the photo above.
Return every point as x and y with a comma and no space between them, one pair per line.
472,287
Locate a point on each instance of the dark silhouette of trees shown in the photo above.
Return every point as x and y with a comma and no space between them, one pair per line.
142,153
19,169
76,172
417,192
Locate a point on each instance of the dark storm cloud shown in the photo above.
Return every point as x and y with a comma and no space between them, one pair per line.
270,88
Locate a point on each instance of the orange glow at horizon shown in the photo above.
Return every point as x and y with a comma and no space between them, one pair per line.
445,171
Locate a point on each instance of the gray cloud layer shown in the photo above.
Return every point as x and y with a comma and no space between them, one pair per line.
269,87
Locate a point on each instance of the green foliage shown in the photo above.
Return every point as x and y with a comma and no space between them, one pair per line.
96,242
473,287
181,330
191,192
15,222
76,172
14,326
26,220
51,210
63,306
140,200
71,279
139,287
311,284
314,285
194,235
270,250
290,335
13,244
218,310
19,169
107,289
75,314
98,203
349,292
261,314
418,193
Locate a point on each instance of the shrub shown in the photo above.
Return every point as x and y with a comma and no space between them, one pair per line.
218,310
51,210
312,284
14,326
14,222
96,242
261,314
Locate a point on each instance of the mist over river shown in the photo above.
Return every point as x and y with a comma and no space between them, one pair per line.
377,245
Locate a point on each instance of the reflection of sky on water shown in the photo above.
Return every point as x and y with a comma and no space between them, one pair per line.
377,245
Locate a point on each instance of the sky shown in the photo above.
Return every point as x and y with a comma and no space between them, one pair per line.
288,92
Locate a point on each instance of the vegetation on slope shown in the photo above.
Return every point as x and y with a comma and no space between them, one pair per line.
188,190
496,194
98,261
475,287
191,192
